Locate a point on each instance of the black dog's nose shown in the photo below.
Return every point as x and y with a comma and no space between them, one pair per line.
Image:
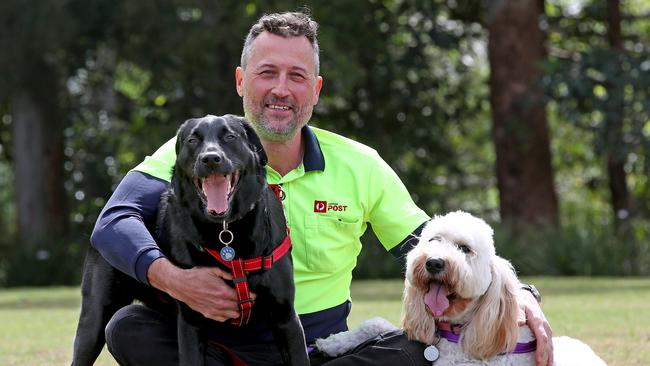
209,158
435,266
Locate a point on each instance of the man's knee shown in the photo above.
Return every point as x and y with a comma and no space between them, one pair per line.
137,333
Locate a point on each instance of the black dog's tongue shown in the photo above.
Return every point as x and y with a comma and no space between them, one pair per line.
216,188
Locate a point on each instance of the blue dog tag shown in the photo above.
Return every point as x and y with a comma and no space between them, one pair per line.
227,253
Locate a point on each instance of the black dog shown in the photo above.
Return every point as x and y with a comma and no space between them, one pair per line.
218,201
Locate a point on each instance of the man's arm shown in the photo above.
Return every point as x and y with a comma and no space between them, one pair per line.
122,235
122,231
402,249
534,317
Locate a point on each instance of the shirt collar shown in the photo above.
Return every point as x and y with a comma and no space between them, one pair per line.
313,158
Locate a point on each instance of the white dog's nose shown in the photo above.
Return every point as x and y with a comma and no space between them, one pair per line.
435,265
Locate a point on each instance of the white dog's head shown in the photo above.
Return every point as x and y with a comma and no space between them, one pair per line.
453,274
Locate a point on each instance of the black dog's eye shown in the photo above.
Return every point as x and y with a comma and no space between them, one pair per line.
229,137
464,248
192,140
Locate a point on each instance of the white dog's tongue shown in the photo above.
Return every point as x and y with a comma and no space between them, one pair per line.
436,298
216,188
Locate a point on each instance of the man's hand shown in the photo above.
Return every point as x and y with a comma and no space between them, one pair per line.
202,288
532,315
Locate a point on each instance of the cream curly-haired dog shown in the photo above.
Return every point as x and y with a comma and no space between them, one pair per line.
462,297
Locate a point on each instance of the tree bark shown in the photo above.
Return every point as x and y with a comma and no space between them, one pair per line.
38,158
621,199
620,195
519,126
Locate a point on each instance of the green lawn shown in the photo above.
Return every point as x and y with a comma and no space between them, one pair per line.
612,315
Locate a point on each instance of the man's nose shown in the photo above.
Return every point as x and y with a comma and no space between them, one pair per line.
281,87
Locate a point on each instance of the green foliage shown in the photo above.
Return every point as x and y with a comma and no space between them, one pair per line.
600,89
408,77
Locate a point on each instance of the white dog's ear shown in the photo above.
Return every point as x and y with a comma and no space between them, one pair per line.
417,323
493,328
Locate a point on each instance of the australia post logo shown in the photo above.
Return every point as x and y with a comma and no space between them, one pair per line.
323,206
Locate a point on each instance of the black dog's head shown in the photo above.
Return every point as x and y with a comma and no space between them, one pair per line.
219,167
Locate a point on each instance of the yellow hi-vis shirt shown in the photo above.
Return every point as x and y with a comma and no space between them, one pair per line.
340,187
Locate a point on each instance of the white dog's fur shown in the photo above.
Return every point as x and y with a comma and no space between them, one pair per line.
473,287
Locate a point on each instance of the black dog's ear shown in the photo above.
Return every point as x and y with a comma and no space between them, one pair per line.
183,131
253,140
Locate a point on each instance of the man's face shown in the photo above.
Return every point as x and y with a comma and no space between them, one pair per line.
279,86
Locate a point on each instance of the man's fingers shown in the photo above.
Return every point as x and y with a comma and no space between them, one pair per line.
541,329
542,355
221,316
221,273
549,334
543,333
521,317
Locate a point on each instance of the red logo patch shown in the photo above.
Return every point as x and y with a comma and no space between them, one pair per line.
320,206
323,206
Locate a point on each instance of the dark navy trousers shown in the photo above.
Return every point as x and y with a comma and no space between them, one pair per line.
138,335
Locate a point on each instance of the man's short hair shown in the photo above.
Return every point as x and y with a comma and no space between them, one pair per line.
287,24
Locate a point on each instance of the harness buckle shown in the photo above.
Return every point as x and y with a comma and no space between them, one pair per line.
247,300
271,260
239,279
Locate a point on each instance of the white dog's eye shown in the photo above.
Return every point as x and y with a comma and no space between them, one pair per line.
464,248
435,238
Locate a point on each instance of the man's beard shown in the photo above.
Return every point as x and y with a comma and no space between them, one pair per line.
274,133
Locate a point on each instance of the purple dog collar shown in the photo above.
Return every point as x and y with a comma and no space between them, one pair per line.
519,348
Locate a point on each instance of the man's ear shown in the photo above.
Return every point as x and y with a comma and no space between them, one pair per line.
317,88
239,80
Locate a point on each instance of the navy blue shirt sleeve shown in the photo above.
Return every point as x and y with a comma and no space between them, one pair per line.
122,233
404,247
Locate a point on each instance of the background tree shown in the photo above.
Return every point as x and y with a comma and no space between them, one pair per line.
410,78
33,86
519,126
597,77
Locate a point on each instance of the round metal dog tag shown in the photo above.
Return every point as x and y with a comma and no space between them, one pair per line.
227,253
431,353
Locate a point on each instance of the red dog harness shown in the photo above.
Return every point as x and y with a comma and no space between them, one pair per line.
240,267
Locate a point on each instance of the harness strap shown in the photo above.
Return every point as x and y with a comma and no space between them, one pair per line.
236,361
277,189
243,293
239,269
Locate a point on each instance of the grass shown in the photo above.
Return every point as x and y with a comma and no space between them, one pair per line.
610,314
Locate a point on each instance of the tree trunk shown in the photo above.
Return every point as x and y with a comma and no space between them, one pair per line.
620,195
519,127
621,199
38,159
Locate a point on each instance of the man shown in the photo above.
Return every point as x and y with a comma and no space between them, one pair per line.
334,187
